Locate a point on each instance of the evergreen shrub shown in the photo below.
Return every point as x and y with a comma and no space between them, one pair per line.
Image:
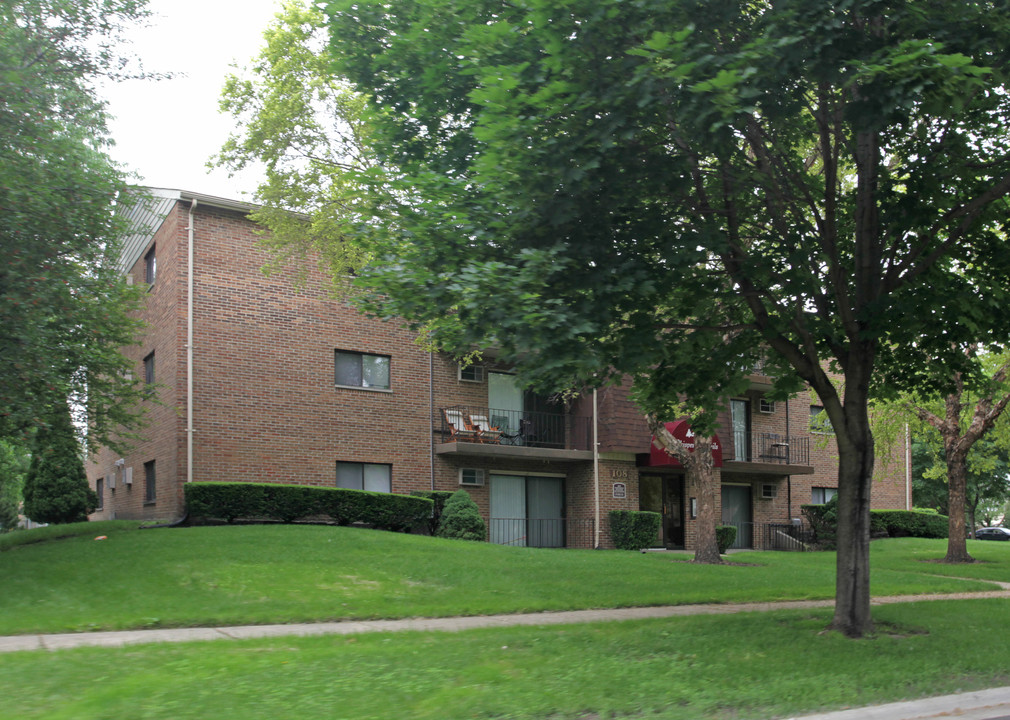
439,498
725,536
56,487
634,529
287,503
461,519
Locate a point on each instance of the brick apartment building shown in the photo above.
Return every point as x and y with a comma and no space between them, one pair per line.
268,378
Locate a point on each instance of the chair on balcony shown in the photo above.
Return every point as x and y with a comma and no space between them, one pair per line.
460,429
486,433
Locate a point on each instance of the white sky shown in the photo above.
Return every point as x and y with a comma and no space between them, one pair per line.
166,131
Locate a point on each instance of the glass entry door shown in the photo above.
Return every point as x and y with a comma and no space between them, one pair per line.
664,495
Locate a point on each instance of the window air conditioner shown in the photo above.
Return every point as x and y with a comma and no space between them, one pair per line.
766,406
472,476
128,476
110,480
768,492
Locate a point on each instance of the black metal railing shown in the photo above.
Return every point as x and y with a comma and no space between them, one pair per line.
467,423
772,536
763,447
542,532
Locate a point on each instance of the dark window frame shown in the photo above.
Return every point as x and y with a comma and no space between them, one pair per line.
150,266
355,376
150,482
360,485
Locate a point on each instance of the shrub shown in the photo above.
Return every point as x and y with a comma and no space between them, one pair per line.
461,518
634,529
56,488
287,503
439,498
823,521
911,523
725,536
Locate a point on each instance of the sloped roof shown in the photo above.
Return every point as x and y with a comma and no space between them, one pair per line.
145,209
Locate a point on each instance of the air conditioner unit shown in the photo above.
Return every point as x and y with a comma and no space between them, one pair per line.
110,480
769,492
471,373
128,476
766,406
472,476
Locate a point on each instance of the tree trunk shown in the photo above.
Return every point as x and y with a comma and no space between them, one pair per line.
701,471
957,474
852,578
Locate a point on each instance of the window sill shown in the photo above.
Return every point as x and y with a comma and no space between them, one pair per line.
150,502
364,389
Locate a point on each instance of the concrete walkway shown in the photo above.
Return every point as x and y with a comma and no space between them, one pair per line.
993,704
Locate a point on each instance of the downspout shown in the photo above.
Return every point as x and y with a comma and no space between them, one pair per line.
789,477
596,471
908,467
189,345
431,414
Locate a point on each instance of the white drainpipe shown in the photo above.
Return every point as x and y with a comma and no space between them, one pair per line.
596,469
189,347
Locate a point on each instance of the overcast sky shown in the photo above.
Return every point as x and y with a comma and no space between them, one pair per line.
167,130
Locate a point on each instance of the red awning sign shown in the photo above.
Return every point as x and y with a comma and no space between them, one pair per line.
658,457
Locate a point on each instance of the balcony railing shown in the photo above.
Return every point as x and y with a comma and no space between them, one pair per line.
542,532
467,423
762,447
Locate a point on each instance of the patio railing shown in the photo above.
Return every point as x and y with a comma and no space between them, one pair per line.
541,532
519,428
763,447
772,536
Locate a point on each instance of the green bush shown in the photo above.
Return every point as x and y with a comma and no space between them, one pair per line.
461,519
287,503
634,529
56,487
725,536
911,523
823,520
439,498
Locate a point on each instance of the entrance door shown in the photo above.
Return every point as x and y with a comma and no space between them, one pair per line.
736,511
664,495
508,510
527,511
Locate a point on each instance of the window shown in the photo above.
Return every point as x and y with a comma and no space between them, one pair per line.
362,370
471,373
100,492
820,495
150,483
150,266
374,477
149,370
819,422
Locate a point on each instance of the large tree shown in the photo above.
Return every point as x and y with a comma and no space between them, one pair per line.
838,169
65,309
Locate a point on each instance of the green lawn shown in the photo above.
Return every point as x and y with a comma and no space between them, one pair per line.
759,665
755,665
265,574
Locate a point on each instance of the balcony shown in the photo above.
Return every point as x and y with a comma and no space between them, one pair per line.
493,432
767,453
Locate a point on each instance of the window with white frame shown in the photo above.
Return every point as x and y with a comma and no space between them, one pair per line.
820,495
471,373
354,369
374,477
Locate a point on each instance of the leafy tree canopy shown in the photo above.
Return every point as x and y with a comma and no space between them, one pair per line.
586,181
64,309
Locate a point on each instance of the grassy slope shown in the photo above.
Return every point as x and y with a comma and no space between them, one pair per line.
695,668
258,574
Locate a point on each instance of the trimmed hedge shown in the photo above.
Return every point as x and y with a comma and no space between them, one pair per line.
439,498
461,519
287,503
823,520
634,529
725,535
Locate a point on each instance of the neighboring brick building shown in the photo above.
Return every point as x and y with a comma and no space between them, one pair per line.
268,378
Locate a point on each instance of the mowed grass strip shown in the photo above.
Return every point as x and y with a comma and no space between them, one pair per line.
197,576
753,665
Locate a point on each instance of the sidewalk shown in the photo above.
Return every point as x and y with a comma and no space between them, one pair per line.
992,704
